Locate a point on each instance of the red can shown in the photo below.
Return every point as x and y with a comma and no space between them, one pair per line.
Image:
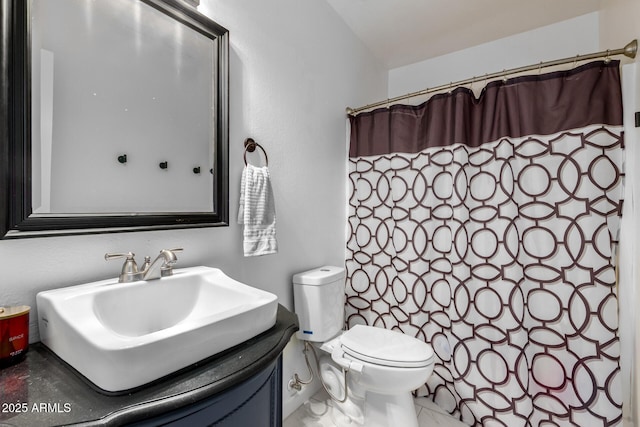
14,334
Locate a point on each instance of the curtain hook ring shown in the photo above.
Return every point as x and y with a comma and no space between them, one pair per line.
607,59
575,61
504,76
540,68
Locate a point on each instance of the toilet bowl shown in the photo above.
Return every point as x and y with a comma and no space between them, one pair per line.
382,366
382,369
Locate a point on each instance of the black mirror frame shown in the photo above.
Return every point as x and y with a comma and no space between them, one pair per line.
15,137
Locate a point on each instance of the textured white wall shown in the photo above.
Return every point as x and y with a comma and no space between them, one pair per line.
619,23
565,39
294,68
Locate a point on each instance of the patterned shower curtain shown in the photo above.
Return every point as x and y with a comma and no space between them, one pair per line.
488,227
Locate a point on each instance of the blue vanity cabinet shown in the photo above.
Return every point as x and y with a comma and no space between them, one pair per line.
256,402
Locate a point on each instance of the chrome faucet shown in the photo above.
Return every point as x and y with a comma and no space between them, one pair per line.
162,266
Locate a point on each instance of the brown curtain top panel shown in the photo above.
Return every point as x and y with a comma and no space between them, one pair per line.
529,105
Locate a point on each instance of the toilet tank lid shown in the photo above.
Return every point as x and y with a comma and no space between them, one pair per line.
319,276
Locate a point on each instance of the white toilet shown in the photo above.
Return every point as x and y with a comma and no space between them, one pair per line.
383,366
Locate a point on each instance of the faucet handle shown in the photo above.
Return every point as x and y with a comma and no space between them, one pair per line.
167,267
110,256
173,252
129,271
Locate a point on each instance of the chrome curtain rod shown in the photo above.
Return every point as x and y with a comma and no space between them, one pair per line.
629,50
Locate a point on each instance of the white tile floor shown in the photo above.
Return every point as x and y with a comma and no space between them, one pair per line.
315,413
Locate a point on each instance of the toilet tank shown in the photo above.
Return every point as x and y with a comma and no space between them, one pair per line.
318,296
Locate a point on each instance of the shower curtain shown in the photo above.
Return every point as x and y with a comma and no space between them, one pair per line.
487,227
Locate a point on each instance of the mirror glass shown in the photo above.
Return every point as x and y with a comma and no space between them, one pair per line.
119,78
126,125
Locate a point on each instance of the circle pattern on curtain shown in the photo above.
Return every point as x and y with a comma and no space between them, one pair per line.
500,257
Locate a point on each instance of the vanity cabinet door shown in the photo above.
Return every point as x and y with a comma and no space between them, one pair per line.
256,402
262,409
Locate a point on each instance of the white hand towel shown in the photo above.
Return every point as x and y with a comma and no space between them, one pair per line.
257,212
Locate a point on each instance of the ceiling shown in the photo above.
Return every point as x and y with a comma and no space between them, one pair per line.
401,32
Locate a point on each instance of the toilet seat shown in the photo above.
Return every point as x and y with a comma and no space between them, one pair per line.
385,347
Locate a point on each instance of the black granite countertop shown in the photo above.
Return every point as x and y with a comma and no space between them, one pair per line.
42,390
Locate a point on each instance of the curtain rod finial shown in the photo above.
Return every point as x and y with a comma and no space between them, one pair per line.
349,111
631,49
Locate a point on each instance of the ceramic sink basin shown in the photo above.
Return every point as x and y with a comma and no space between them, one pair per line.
124,335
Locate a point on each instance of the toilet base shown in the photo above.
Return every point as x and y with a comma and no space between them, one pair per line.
377,410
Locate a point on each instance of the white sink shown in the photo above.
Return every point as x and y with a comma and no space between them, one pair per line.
124,335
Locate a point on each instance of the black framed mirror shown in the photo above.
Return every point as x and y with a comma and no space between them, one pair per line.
115,119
